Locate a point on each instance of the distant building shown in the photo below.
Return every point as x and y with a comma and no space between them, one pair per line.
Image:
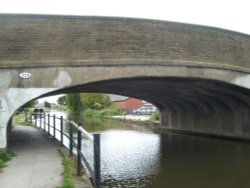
126,103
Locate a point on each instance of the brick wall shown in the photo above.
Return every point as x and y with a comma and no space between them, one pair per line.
42,40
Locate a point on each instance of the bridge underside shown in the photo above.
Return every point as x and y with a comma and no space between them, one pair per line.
186,104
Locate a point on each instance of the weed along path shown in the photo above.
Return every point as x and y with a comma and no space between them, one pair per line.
37,163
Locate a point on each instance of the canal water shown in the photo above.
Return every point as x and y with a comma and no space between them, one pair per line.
137,156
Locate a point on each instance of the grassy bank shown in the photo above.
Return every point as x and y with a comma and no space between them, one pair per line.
70,178
19,119
67,174
113,110
155,116
4,157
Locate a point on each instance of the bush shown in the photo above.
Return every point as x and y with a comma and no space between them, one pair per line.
111,111
155,116
89,113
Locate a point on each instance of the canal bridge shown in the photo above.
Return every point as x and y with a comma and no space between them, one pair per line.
197,76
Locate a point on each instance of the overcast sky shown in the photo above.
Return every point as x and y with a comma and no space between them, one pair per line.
228,14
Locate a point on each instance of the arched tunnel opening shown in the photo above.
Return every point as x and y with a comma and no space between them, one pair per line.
186,104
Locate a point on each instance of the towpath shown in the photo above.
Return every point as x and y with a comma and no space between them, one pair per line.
37,163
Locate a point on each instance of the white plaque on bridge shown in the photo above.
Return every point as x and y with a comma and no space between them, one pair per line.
25,75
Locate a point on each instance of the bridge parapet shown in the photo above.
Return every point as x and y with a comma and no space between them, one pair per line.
44,40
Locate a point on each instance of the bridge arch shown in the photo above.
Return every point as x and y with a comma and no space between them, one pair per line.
196,75
187,104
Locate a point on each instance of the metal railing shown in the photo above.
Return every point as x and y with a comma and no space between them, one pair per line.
43,121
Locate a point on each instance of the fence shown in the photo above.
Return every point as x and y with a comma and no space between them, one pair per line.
43,121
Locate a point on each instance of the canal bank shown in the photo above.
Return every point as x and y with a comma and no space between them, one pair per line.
37,162
139,119
133,155
145,120
137,156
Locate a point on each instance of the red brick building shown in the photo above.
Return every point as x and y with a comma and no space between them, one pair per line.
127,104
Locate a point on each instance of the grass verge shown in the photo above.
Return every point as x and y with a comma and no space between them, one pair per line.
4,157
67,174
19,119
70,178
27,124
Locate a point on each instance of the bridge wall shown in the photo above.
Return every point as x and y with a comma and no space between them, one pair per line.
197,76
43,40
192,99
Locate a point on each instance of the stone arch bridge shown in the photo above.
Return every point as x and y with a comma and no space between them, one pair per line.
197,76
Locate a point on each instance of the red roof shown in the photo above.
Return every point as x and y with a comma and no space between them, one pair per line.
130,104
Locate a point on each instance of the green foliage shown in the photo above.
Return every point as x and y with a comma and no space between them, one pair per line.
61,108
95,105
47,104
67,175
18,118
2,164
155,116
111,111
30,104
62,100
74,103
89,113
5,156
95,101
27,124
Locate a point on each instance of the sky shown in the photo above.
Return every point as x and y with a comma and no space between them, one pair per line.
228,14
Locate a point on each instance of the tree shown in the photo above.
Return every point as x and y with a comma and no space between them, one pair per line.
27,105
62,100
30,104
47,104
74,103
95,101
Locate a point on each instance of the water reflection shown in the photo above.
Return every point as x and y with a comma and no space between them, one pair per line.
130,154
191,161
136,156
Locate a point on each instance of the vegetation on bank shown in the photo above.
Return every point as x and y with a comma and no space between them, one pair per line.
67,174
19,119
112,110
4,157
70,178
155,116
90,105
